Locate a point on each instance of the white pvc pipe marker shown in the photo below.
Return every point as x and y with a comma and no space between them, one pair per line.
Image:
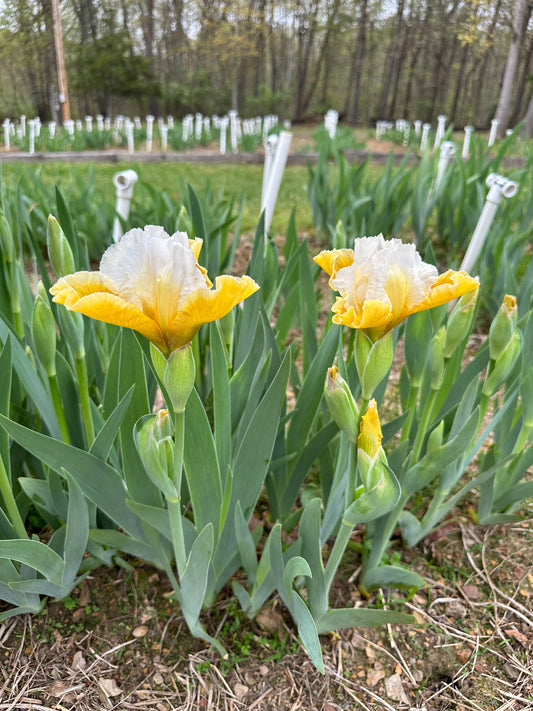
124,183
500,187
276,174
447,152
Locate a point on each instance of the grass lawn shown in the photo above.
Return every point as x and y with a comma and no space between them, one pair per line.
230,180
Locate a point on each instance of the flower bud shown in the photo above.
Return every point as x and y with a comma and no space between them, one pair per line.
373,360
227,325
7,243
435,438
177,373
460,322
341,403
44,332
500,369
417,339
436,358
153,438
370,453
502,327
59,250
526,374
72,329
339,236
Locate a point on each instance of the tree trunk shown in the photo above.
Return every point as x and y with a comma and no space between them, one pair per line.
527,129
393,60
359,58
503,111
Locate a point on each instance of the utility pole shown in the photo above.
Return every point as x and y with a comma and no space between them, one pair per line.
61,73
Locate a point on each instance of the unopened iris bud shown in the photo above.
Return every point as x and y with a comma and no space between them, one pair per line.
177,373
153,438
502,327
59,250
500,369
341,403
339,236
526,374
370,454
7,242
73,330
435,438
44,332
227,325
460,321
373,360
436,358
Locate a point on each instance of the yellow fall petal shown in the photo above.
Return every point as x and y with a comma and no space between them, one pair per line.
206,305
449,286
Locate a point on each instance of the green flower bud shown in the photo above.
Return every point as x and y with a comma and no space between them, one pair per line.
417,339
59,249
500,369
435,438
341,403
44,332
436,358
7,243
339,236
153,438
502,327
177,373
526,374
373,360
460,322
227,326
72,329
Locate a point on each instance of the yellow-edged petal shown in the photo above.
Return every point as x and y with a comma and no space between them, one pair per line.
87,293
449,286
333,260
375,314
206,305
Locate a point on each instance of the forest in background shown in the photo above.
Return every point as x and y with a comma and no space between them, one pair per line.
411,59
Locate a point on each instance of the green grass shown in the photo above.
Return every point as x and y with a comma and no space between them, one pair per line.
232,180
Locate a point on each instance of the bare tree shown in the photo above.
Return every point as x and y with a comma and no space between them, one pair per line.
503,111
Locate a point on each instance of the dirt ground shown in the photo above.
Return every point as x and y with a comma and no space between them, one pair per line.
119,642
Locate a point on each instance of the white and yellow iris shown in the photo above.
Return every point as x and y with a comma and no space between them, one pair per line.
152,283
381,282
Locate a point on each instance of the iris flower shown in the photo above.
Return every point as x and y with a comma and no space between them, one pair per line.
381,282
152,282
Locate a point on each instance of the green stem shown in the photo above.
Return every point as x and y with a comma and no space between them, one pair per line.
59,409
85,400
423,426
411,402
341,541
352,476
9,500
174,507
382,536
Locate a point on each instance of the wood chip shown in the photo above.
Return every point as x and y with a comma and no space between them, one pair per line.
140,631
374,676
240,691
109,687
394,689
